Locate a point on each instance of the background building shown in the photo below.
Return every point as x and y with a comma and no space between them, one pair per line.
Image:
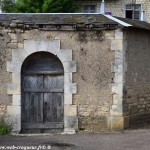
133,9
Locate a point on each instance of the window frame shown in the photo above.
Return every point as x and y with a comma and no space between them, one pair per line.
134,9
89,10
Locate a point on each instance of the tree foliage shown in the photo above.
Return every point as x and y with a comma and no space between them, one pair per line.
39,6
7,5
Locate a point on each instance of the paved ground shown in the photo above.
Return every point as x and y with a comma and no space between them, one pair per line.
129,140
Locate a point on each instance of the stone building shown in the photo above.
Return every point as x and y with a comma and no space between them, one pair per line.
70,72
133,9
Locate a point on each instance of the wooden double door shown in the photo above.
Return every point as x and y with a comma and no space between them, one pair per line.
42,108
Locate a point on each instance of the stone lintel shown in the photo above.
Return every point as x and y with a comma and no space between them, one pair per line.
32,46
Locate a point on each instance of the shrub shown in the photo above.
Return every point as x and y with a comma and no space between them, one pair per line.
4,128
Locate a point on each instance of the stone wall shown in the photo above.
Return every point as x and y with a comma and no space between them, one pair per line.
5,77
137,91
93,54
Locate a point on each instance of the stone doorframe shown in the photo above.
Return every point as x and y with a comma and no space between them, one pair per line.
14,88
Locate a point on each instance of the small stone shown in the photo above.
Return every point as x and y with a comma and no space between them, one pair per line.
141,99
7,30
12,45
20,45
13,25
105,109
12,36
14,41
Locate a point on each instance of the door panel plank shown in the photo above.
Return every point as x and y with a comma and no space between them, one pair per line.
54,125
48,107
38,90
33,81
53,82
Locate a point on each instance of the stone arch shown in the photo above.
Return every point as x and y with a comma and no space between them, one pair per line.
14,88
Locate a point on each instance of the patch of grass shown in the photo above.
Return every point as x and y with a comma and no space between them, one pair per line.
4,128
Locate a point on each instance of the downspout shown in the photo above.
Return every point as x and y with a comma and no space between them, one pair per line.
102,7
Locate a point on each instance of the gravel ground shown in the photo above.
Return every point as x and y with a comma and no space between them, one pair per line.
128,140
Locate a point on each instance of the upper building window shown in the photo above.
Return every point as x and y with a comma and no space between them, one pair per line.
89,8
133,11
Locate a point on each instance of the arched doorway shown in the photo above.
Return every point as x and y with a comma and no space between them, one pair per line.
42,98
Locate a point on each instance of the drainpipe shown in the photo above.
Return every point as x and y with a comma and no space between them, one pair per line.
142,16
102,7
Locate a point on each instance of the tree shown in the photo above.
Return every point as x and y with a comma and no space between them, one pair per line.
39,6
62,6
7,5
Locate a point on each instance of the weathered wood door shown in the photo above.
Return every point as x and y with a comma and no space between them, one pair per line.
42,93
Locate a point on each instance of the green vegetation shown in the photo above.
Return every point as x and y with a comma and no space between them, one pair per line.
4,128
39,6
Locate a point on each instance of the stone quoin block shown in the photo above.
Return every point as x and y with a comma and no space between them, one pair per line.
14,118
70,66
71,122
118,34
13,89
68,99
16,78
70,110
19,55
65,55
117,45
117,88
68,77
70,88
16,100
9,66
